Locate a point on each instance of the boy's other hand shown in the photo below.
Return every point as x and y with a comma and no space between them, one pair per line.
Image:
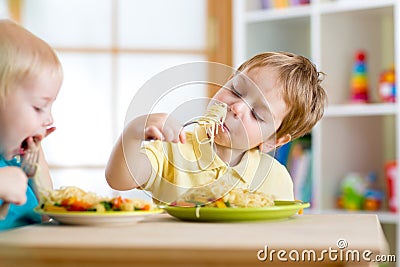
13,185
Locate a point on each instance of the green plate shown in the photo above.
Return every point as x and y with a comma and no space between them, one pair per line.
281,210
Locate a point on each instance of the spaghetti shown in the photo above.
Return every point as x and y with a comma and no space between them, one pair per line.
211,121
219,194
235,198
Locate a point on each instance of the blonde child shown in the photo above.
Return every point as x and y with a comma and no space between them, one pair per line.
272,98
30,79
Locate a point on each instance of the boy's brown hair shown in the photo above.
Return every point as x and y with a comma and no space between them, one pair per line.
302,91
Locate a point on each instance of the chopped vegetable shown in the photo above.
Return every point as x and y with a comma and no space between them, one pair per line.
76,199
220,203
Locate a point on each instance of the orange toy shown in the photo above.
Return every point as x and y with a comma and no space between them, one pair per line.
387,86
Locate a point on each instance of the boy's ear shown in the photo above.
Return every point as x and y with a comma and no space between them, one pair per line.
283,140
267,146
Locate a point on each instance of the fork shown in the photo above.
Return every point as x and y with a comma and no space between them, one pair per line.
30,162
29,165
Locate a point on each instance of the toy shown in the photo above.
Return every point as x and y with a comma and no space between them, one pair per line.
391,176
387,86
373,196
352,192
280,3
359,192
266,4
359,81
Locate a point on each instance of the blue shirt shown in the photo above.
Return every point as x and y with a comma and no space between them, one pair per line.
20,215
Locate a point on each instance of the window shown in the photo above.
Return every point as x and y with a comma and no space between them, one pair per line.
109,49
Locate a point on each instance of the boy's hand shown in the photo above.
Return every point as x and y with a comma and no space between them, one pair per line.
128,167
13,185
158,126
33,142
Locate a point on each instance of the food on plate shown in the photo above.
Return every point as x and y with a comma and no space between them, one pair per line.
72,198
235,198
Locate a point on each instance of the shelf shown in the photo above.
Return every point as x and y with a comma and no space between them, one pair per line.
353,5
306,10
350,137
351,110
278,14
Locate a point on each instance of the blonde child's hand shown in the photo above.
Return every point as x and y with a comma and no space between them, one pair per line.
158,126
13,185
32,143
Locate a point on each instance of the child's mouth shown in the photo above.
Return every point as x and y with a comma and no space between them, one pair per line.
24,144
224,128
24,147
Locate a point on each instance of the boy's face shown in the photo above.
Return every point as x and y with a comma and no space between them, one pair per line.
26,112
255,109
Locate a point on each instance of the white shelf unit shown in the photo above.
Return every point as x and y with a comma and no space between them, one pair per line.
349,137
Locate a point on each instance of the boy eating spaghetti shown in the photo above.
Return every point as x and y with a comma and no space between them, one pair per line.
271,99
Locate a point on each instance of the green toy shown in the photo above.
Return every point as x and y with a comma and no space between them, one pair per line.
352,189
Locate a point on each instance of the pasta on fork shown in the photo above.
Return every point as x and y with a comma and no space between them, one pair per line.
222,193
212,120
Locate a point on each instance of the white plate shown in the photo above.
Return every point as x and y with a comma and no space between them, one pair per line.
99,218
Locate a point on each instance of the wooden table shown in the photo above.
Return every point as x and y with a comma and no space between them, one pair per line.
162,240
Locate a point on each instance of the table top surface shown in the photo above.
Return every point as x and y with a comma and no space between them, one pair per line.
360,231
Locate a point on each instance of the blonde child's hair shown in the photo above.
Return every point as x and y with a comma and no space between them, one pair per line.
301,90
23,56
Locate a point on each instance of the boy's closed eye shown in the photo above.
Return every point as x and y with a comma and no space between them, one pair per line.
256,115
235,92
38,109
41,107
253,111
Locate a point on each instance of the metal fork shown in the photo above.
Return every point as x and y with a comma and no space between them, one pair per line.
29,165
29,162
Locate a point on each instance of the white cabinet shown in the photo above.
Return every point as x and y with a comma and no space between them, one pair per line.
350,137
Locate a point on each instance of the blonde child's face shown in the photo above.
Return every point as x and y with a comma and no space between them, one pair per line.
26,112
255,109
